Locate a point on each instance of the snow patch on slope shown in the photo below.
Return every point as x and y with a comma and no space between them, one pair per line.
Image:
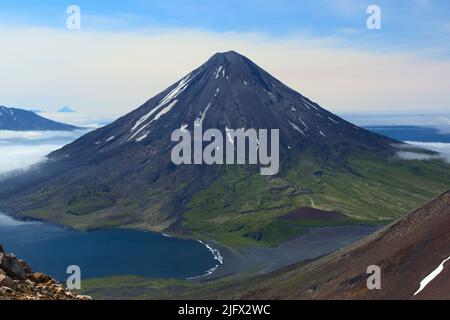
293,125
203,113
303,123
164,111
337,122
183,127
169,98
182,85
426,281
142,137
217,72
309,104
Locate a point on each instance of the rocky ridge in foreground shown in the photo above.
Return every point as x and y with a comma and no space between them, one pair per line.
18,282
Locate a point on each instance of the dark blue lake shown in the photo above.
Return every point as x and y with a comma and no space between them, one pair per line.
51,249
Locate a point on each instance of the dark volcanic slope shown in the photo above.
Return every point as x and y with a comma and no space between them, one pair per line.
122,174
228,91
23,120
406,251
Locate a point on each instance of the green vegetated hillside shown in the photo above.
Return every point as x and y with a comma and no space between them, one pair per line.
406,251
241,207
244,208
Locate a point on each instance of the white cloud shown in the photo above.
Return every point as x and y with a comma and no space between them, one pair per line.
20,150
22,157
407,155
7,221
438,120
7,136
116,72
442,148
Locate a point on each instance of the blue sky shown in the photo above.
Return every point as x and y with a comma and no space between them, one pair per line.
406,23
126,51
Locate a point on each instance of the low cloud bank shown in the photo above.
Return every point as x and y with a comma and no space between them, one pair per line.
442,148
7,136
437,120
6,221
20,150
22,157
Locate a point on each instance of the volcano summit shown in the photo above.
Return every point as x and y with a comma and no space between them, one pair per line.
122,174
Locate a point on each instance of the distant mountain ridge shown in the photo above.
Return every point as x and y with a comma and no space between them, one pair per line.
22,120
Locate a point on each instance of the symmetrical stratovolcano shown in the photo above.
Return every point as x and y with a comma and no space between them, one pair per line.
229,91
122,174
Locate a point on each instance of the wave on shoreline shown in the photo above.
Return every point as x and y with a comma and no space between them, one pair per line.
217,256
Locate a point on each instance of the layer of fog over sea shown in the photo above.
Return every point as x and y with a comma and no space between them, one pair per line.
424,130
50,248
21,150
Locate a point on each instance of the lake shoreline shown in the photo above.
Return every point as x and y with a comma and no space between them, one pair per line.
313,244
252,260
50,248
